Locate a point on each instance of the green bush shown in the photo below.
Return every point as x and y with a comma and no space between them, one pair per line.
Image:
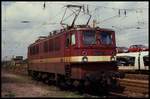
23,64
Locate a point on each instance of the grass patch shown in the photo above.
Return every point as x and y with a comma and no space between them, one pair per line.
23,64
66,94
19,78
6,64
72,95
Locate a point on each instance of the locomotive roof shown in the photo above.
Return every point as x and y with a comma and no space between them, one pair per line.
104,29
59,32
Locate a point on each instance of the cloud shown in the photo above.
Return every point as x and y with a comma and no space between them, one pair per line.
17,34
129,37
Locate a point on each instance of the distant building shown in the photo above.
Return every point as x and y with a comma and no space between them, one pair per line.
17,61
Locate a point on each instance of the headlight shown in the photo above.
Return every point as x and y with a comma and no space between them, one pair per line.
112,58
84,59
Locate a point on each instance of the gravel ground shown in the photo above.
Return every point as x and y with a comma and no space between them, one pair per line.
23,86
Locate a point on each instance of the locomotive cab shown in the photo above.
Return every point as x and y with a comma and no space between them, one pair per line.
92,51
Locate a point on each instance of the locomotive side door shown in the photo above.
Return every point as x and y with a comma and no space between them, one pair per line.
67,54
67,47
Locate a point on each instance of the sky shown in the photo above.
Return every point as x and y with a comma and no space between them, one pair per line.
17,36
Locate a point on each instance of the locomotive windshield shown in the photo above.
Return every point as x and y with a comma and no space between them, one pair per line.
89,37
106,38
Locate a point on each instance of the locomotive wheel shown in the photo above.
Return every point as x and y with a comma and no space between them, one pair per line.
44,77
86,86
35,75
50,82
69,83
62,84
104,88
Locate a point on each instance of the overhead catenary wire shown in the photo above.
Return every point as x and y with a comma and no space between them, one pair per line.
105,20
113,8
121,23
108,18
98,7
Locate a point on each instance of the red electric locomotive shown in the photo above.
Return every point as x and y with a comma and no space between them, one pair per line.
78,53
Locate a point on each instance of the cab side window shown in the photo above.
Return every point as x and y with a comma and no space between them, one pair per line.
73,41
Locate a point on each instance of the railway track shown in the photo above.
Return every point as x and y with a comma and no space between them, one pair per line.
137,76
132,88
137,85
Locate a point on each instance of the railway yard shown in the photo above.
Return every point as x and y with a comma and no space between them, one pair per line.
132,86
80,56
